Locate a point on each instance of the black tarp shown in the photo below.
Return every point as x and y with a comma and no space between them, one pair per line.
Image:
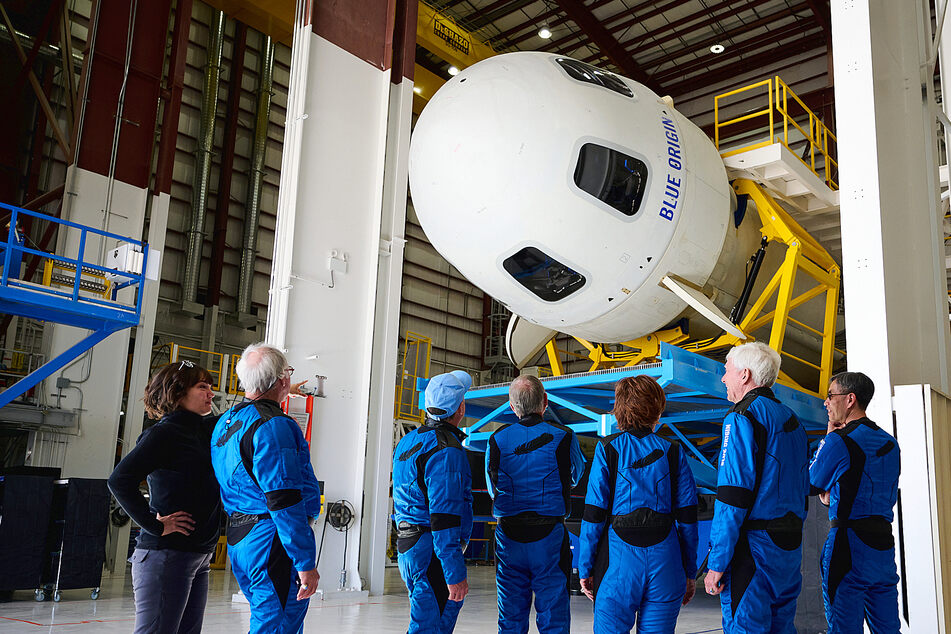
80,520
24,518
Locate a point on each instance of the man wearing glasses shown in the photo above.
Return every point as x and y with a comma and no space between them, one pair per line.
270,493
855,471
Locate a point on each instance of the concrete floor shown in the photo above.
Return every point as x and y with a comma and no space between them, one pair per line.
114,611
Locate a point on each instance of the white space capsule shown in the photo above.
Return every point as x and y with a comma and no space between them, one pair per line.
568,193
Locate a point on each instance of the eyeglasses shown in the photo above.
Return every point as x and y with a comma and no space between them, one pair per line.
186,364
288,371
830,395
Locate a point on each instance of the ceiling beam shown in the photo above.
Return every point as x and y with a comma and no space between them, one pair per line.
702,46
654,9
493,12
600,36
762,60
750,46
820,8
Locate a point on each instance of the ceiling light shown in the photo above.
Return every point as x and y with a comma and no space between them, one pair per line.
417,90
544,33
453,71
717,48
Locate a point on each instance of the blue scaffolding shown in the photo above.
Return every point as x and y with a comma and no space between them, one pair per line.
102,316
696,405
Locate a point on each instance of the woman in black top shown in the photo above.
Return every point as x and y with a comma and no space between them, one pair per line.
180,519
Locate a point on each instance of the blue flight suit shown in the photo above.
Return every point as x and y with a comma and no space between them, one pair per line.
859,465
432,501
531,467
639,532
269,490
756,535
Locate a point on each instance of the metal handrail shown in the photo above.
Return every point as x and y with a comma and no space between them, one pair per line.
821,140
11,245
176,348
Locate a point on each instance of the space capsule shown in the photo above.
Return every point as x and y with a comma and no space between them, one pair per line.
569,193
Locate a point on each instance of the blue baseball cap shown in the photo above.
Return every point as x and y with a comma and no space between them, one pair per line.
445,393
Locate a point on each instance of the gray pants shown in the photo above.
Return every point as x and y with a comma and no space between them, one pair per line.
171,587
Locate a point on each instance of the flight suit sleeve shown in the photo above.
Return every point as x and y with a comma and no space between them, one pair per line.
829,463
492,458
449,484
577,461
279,472
685,517
311,488
736,481
597,504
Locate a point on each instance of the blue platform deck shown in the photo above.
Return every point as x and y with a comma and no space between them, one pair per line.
72,307
696,405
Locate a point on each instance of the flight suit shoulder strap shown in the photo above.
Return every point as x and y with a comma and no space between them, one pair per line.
266,411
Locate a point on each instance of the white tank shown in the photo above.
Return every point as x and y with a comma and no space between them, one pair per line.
568,193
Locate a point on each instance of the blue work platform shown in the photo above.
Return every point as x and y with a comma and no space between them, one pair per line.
696,405
74,306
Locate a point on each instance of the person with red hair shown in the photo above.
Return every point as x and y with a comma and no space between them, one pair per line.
639,531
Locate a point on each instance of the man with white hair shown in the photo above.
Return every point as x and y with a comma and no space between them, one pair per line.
270,492
762,488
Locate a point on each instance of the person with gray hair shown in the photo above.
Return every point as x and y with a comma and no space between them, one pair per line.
531,467
762,487
270,492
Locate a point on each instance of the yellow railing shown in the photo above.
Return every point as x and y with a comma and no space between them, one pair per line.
416,352
234,385
208,359
784,110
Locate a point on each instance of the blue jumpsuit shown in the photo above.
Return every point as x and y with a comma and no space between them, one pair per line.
639,532
859,466
269,491
530,469
756,535
432,500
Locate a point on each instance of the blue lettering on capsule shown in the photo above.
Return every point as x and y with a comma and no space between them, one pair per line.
675,162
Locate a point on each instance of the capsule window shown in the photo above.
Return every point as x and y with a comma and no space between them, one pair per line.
612,177
542,274
594,75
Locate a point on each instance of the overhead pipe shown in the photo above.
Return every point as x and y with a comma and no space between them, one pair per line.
206,139
256,177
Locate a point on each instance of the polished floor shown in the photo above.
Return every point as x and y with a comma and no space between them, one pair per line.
114,610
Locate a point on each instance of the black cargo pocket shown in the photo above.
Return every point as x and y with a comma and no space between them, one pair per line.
405,543
785,539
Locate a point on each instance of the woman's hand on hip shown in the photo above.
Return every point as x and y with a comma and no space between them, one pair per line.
177,522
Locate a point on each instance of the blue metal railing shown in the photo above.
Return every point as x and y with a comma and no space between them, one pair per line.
14,249
101,317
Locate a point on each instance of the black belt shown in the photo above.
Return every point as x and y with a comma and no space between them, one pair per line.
874,523
240,524
405,530
644,527
531,520
791,524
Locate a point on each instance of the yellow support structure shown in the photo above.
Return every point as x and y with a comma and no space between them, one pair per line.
804,255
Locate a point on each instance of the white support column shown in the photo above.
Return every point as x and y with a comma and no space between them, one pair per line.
328,239
892,249
385,337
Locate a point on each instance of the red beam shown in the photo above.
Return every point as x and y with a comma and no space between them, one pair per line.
173,97
213,294
133,162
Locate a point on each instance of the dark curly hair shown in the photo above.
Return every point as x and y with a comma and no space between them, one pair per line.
638,403
168,386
